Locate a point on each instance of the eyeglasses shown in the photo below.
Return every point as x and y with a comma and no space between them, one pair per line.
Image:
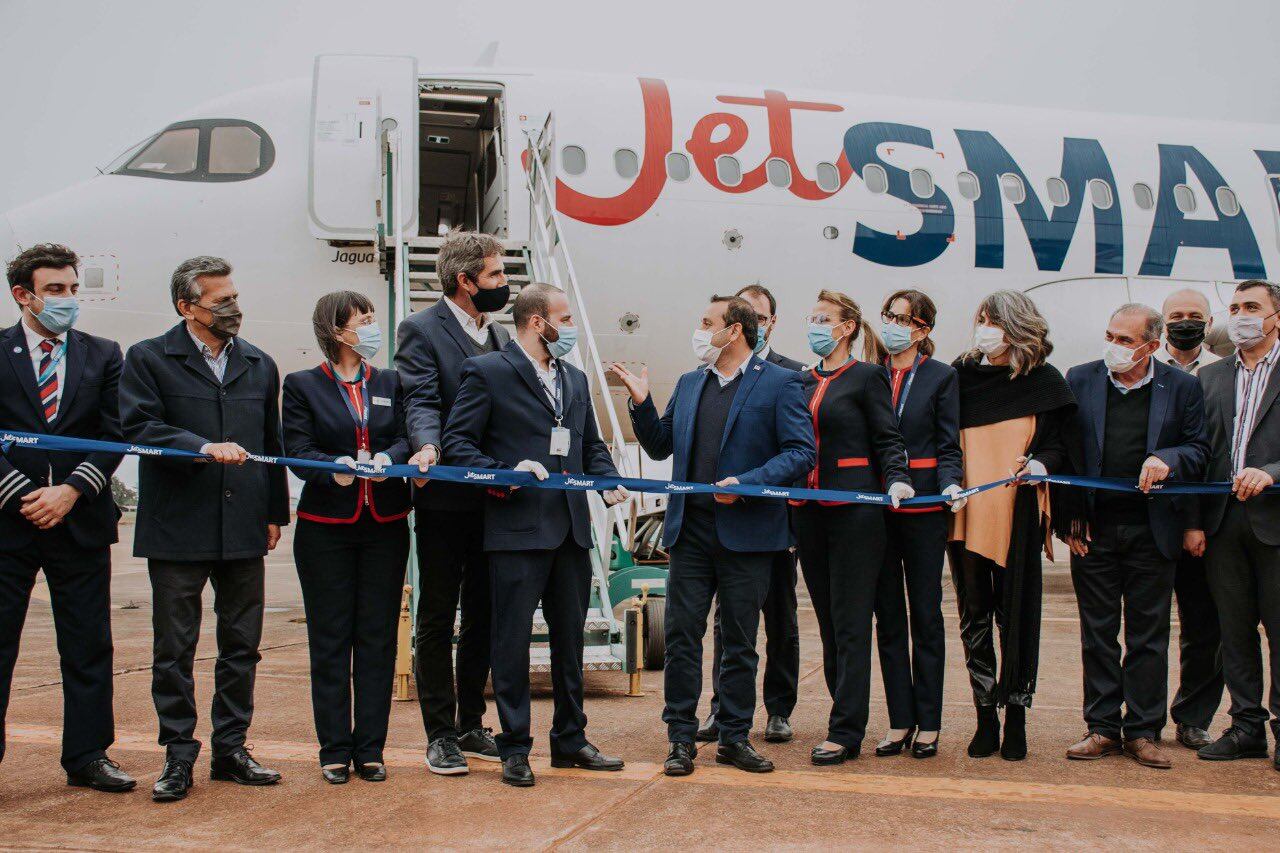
902,319
820,320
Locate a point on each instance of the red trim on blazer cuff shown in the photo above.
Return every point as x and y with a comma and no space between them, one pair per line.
853,462
931,462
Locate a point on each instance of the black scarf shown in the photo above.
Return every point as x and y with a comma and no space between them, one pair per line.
989,396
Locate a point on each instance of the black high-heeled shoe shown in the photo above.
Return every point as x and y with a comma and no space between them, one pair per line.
925,750
336,775
888,747
373,772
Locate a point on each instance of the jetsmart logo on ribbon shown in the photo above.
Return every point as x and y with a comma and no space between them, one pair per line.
676,487
570,481
472,475
775,493
19,439
875,498
145,451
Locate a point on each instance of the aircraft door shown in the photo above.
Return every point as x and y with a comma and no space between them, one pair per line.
351,98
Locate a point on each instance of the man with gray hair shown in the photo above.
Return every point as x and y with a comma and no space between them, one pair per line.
1136,419
201,387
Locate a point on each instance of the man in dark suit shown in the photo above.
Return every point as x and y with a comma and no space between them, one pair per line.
739,419
781,622
56,510
1137,418
1242,552
431,347
199,387
524,408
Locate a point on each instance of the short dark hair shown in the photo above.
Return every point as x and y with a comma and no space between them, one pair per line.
1273,290
922,309
738,310
184,285
40,256
464,253
534,300
758,289
333,311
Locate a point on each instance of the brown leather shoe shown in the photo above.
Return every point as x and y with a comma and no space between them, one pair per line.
1094,746
1145,751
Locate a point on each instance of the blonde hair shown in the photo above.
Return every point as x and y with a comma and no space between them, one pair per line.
1025,330
873,349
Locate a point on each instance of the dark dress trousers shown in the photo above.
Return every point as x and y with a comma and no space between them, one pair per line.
842,546
203,522
913,649
781,624
454,572
756,429
538,540
1128,572
75,556
351,548
1243,551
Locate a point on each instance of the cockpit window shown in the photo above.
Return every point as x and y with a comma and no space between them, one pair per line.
209,150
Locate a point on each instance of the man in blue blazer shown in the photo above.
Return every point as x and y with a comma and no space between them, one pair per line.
57,514
1137,419
739,419
524,408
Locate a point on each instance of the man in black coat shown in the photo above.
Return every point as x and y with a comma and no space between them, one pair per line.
431,347
199,387
524,408
781,622
56,510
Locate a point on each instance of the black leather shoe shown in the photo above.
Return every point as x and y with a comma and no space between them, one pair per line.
1232,745
102,774
828,757
174,782
517,772
239,767
924,750
743,756
445,758
778,729
680,759
373,771
336,775
588,758
1192,737
479,743
709,730
887,747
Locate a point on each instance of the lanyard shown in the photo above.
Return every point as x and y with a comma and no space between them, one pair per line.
906,384
57,357
361,417
556,395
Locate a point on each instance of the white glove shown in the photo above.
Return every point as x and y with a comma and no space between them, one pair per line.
899,492
956,503
1035,466
534,467
616,496
345,479
380,461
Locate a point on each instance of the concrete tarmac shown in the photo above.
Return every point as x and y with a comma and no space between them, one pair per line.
951,801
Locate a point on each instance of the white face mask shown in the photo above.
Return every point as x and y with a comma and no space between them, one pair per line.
989,340
703,349
1245,331
1119,358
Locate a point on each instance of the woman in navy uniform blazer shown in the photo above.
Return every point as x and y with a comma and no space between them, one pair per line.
842,545
926,404
352,540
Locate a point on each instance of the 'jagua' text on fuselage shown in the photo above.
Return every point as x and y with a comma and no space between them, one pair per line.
350,256
1050,229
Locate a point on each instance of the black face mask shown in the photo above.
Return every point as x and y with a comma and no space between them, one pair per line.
1186,334
226,319
491,300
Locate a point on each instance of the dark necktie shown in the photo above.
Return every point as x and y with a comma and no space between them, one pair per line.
49,387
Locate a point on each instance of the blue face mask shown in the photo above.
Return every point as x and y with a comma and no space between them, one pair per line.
564,344
821,341
369,341
761,342
59,314
896,338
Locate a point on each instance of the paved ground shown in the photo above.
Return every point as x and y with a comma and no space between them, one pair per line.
951,801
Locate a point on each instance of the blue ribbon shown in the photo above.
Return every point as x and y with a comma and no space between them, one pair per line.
591,483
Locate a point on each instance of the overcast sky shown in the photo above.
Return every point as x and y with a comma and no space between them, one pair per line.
82,80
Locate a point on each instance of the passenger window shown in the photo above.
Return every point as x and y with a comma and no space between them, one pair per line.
1013,187
1228,204
828,177
1059,195
1143,197
728,170
969,186
1185,198
173,152
234,150
626,163
876,178
921,183
779,172
573,160
677,166
1100,193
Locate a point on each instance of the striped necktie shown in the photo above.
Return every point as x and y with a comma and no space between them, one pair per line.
49,387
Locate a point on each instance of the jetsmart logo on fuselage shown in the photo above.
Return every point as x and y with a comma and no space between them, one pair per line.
472,475
144,451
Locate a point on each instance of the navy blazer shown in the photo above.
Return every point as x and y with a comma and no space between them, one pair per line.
190,510
768,441
781,360
1175,433
501,417
88,408
318,425
430,349
930,425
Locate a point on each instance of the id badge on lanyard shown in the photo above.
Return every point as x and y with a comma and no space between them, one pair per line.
560,437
